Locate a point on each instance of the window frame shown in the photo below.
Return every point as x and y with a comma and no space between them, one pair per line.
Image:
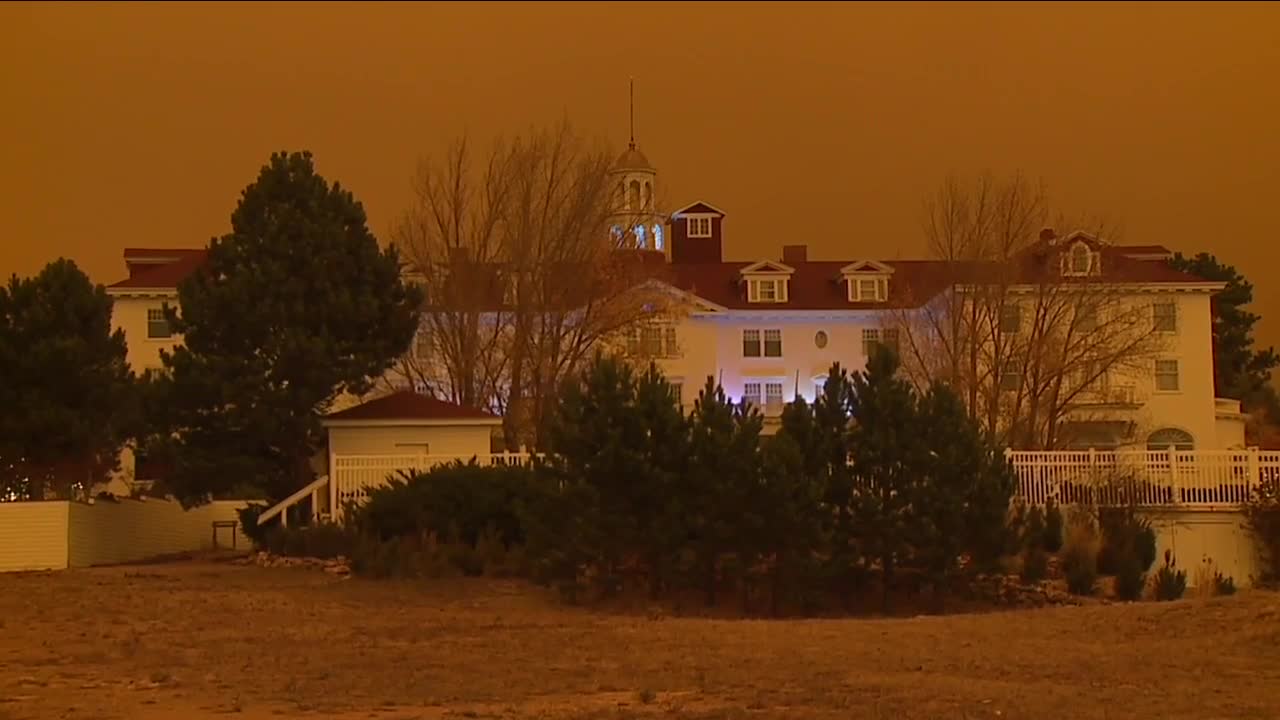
1172,317
758,395
159,319
698,226
1007,327
757,340
771,336
1176,374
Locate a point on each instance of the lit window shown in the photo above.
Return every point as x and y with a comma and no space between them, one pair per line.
641,240
1164,317
750,343
773,343
699,227
751,393
773,398
657,238
1010,319
1167,375
158,324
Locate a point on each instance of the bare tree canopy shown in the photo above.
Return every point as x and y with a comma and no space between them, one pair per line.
1032,328
525,269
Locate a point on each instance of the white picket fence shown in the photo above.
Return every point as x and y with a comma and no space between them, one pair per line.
1189,479
1175,479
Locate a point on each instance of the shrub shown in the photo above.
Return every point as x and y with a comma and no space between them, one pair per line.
1262,514
1033,530
1080,558
1052,527
1223,585
317,541
1123,533
456,501
1035,564
248,516
1170,582
1130,578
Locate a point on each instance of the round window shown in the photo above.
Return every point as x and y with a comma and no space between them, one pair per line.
820,339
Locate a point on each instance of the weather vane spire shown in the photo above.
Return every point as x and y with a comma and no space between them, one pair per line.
632,144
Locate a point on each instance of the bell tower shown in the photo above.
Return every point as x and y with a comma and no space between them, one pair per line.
637,222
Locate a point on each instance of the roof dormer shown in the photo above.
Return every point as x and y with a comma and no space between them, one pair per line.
767,281
696,233
1081,256
866,281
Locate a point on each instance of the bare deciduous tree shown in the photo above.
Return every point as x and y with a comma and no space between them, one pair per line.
1029,334
525,272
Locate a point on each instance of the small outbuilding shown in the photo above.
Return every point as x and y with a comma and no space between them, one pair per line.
407,423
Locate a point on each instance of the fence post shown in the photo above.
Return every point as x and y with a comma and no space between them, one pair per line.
1174,486
1255,474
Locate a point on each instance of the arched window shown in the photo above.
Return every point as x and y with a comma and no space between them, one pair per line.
1079,261
1164,438
657,238
633,202
647,197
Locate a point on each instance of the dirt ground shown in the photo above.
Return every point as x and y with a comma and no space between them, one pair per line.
212,640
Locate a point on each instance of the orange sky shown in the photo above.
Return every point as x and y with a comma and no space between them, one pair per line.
138,124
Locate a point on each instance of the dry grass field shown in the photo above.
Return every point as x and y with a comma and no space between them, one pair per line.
213,640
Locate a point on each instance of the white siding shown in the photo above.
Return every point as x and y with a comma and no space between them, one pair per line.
33,535
409,440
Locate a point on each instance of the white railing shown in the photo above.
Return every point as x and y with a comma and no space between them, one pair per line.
353,476
1177,478
312,490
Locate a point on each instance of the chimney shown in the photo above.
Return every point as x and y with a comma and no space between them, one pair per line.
792,254
1048,235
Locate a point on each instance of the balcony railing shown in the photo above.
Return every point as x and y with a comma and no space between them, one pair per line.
1193,479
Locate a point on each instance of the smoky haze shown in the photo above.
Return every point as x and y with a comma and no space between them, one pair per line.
825,124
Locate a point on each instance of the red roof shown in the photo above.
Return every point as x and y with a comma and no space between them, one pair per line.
160,267
406,405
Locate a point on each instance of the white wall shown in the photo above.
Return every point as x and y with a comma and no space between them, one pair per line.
33,535
1195,536
1191,408
129,313
408,440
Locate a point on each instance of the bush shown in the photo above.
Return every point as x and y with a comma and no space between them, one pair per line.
1170,582
1262,513
1124,533
1035,564
1080,558
248,516
456,502
318,541
1130,578
1033,530
1052,527
1223,585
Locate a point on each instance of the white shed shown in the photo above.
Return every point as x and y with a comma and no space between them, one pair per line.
406,423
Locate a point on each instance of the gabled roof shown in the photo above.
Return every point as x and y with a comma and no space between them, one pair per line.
411,408
865,266
698,208
768,266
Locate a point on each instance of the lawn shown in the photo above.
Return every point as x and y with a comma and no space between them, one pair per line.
205,640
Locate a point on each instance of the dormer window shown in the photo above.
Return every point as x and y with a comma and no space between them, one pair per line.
1080,260
699,227
767,281
867,281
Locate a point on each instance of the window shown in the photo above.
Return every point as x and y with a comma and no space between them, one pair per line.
868,289
819,386
751,393
820,339
651,340
422,343
870,339
1164,317
767,290
1166,438
677,392
1167,375
699,227
1011,376
633,341
773,398
657,238
669,341
158,324
750,343
1081,259
1010,319
1086,319
773,343
891,339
